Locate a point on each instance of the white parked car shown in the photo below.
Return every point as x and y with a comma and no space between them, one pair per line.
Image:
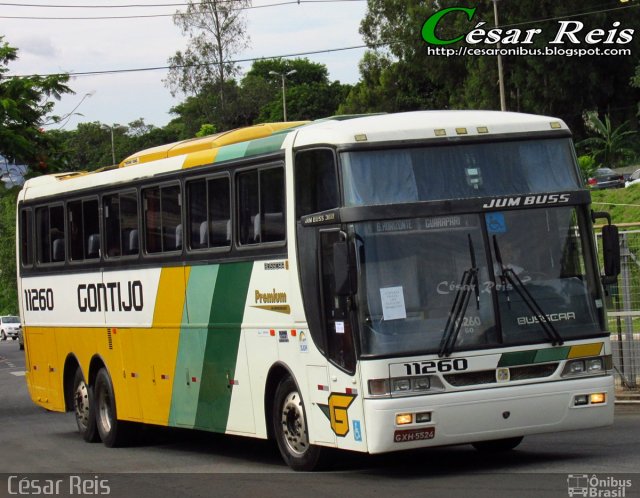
634,178
9,326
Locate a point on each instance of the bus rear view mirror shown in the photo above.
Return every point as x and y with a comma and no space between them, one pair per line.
611,253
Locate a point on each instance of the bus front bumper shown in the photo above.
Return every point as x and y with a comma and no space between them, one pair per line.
488,414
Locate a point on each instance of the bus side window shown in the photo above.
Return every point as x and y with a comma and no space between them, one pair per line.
26,237
84,229
50,234
219,202
261,206
248,206
162,214
271,226
111,212
209,213
91,228
128,224
316,182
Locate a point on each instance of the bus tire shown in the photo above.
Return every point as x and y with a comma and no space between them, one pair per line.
498,445
113,432
84,409
291,430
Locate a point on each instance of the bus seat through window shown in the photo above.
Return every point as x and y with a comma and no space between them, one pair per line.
179,236
58,250
93,246
133,244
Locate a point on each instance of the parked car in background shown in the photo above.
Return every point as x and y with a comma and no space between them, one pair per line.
9,327
634,178
606,178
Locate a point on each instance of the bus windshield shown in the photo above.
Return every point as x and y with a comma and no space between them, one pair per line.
412,274
484,169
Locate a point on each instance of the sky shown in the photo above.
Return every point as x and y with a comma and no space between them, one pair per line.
53,46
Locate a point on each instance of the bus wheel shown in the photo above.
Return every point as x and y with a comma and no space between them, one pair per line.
111,430
498,445
290,428
83,406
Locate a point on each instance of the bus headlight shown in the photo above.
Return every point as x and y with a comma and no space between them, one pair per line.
400,386
379,387
595,365
587,366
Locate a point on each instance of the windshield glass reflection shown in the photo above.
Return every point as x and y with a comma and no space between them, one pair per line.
413,272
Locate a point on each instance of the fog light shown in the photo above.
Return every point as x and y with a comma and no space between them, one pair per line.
404,418
597,398
581,400
423,417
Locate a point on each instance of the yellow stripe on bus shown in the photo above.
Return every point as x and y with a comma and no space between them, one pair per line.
156,349
583,350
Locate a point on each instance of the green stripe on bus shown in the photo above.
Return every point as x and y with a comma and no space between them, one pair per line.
266,145
221,350
191,348
553,354
517,358
534,356
234,151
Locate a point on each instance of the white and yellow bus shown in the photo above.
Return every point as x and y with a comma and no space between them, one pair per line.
374,283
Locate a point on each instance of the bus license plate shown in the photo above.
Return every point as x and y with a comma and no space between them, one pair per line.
410,435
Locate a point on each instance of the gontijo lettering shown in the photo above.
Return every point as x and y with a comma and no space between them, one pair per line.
111,296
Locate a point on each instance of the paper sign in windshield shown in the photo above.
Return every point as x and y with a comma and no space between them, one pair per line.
393,307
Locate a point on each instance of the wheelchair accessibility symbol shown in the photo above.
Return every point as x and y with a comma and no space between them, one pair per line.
495,222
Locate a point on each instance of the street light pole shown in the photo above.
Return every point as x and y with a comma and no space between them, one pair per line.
113,150
503,102
284,98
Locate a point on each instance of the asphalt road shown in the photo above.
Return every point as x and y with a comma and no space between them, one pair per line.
39,447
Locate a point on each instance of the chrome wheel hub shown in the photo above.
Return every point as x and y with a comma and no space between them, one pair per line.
81,402
294,428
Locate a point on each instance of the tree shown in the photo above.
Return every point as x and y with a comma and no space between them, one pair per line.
216,31
309,93
546,84
25,102
257,98
8,286
609,146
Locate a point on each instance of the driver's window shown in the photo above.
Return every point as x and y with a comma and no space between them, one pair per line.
316,181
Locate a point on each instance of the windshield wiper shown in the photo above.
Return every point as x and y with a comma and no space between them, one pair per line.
509,276
458,310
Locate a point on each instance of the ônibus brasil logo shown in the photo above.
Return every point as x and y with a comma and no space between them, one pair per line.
572,32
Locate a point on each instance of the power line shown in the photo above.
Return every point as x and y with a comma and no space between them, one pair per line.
568,16
105,6
148,16
160,68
